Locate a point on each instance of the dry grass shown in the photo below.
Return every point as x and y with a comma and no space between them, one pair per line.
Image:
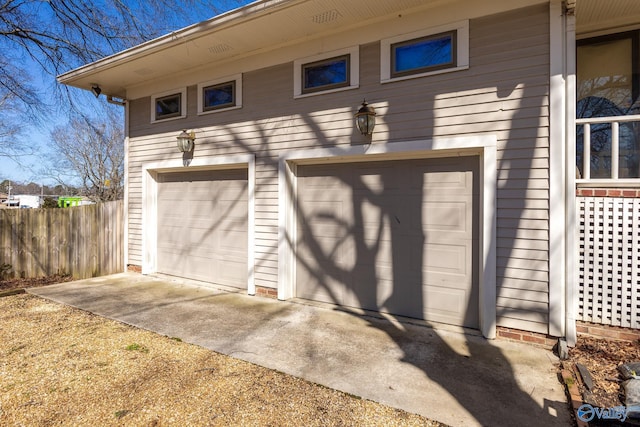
63,366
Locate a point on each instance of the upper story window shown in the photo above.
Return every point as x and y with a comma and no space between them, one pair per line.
327,74
220,95
424,53
607,107
330,72
169,105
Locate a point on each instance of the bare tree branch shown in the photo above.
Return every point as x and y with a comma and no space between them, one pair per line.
53,36
91,152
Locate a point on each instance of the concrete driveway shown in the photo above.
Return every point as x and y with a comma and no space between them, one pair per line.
457,379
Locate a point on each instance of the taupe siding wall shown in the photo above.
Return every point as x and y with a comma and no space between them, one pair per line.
504,93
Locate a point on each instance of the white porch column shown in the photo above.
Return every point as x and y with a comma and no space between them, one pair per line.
562,171
571,242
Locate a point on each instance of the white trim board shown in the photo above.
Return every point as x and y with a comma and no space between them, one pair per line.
150,173
483,146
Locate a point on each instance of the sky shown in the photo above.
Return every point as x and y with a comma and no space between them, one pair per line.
36,137
27,168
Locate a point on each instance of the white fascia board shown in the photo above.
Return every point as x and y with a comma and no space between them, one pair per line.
232,17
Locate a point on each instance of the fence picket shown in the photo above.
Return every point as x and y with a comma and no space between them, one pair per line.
83,241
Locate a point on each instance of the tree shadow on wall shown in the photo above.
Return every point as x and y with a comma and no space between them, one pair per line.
376,222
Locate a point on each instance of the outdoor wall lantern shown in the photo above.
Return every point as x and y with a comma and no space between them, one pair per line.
366,118
185,141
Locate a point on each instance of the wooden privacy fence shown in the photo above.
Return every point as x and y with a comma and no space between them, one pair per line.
609,261
84,241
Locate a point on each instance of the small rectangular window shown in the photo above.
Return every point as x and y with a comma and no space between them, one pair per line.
222,94
426,52
435,52
326,74
169,106
219,96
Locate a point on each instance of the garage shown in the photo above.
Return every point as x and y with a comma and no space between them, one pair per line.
202,226
399,237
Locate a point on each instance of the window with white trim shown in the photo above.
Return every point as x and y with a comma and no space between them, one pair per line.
169,105
423,53
220,95
329,72
608,107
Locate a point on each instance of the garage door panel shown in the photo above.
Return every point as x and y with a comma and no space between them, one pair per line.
200,262
446,217
324,219
402,231
324,177
318,285
202,226
363,293
232,270
407,297
328,251
441,182
446,258
201,207
233,241
446,305
374,178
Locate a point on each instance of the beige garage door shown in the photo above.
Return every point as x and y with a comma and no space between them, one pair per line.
395,236
202,226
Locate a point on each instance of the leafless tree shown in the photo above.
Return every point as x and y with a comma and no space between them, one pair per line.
90,152
8,127
39,39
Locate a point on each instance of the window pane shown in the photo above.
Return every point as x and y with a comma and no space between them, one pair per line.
219,96
328,74
606,87
168,106
423,55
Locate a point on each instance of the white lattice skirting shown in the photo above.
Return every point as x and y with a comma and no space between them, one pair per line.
609,261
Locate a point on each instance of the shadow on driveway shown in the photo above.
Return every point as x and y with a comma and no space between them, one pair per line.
369,356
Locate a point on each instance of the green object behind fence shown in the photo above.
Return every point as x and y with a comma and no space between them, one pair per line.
65,202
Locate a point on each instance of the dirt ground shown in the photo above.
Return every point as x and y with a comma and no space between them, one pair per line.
64,366
602,357
11,284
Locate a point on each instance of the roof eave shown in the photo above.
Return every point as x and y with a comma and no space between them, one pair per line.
230,18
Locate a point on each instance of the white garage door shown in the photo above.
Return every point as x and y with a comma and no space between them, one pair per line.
395,236
202,226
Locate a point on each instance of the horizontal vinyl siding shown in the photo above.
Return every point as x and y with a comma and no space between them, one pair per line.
523,176
503,93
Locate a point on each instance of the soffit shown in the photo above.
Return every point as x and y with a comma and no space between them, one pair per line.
605,15
258,27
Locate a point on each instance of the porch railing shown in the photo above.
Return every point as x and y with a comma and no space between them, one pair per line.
614,122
